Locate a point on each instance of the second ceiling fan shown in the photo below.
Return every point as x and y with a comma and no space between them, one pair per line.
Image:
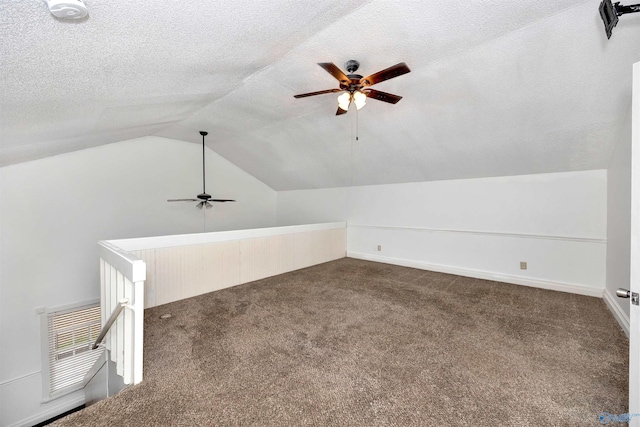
356,87
204,200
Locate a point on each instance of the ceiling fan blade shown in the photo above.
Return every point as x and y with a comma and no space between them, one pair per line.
386,74
182,200
320,92
336,72
340,112
220,200
383,96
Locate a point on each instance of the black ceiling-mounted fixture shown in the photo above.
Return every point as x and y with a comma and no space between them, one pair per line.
356,87
609,13
203,198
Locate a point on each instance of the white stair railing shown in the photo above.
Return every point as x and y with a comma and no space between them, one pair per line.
122,277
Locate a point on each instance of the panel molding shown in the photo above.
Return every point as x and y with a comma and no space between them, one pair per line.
19,378
483,233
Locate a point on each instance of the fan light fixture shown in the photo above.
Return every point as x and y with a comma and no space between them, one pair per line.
357,88
358,98
344,100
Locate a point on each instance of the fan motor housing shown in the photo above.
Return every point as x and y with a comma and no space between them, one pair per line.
354,84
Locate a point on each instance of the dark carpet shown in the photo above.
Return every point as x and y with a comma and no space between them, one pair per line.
356,343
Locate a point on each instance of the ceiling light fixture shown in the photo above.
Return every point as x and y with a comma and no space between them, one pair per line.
67,9
358,98
357,87
344,100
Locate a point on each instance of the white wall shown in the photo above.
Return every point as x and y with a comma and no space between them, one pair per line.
54,210
477,227
619,224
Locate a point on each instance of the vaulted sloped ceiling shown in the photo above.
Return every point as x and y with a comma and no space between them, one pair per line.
497,87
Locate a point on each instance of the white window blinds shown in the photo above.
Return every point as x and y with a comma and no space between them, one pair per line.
71,333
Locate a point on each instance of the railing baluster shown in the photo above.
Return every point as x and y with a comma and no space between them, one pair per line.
119,329
113,299
127,338
138,325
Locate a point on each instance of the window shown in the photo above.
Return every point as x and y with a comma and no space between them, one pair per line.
69,334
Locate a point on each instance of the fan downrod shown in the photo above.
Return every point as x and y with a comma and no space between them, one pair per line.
351,66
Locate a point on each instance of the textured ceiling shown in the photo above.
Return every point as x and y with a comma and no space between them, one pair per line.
497,87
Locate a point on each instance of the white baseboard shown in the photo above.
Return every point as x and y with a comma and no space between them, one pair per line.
620,316
486,275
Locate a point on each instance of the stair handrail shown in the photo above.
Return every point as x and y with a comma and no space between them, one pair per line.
116,312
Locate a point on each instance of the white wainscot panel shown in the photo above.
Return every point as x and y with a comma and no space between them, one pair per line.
220,266
183,271
169,275
553,262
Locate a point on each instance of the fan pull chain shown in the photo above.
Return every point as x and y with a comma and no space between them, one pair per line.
351,156
351,183
357,127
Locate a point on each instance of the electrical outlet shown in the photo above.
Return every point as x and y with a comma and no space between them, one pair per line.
379,248
523,265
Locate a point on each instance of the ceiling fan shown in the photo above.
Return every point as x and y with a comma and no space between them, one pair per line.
356,87
203,198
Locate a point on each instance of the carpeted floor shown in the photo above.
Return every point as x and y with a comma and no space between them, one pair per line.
356,343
